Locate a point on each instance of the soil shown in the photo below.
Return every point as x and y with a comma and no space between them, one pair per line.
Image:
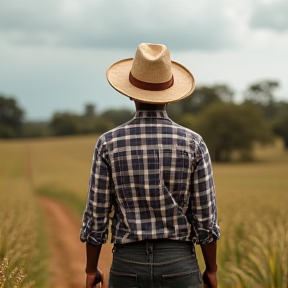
67,261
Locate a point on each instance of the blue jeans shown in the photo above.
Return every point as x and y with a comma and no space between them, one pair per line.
155,264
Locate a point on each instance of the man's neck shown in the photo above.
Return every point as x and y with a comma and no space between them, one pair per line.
150,107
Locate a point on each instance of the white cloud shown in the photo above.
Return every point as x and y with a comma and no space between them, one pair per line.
205,25
117,23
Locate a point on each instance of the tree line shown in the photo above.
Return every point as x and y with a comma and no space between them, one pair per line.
226,126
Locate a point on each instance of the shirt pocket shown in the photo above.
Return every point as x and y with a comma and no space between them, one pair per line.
177,170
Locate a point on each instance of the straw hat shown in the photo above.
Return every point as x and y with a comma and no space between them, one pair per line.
151,77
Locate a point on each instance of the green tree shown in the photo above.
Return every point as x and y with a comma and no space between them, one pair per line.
118,117
35,129
65,123
201,98
224,92
280,125
188,120
96,124
101,125
11,117
262,95
227,128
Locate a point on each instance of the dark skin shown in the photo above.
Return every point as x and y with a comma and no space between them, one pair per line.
210,274
150,107
94,275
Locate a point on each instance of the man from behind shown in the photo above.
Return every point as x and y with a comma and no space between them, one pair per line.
156,176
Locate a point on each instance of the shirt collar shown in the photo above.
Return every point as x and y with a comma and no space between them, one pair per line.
151,114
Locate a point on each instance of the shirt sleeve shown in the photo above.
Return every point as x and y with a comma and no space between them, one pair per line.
98,206
203,199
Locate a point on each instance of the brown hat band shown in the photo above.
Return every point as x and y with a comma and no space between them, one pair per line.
150,86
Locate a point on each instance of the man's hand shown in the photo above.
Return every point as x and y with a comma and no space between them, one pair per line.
210,279
93,274
209,255
93,278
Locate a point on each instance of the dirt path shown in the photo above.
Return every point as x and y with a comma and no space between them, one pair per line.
67,262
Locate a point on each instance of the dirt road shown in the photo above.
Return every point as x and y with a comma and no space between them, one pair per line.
67,261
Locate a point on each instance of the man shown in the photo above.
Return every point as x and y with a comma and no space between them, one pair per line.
157,178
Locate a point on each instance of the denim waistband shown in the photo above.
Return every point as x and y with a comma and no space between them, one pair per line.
156,243
162,251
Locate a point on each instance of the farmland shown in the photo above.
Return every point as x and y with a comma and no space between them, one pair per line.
252,199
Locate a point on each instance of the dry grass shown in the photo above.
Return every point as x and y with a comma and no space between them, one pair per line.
62,162
14,278
20,262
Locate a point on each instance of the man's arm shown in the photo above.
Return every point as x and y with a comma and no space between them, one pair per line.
204,210
93,274
209,254
96,217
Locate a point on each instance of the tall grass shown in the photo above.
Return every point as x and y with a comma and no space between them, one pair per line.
253,252
22,262
253,205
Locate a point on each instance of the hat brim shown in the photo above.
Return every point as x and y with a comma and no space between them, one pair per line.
183,86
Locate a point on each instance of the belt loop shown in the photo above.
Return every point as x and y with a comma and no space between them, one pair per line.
193,250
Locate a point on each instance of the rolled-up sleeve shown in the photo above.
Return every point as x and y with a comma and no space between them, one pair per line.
95,220
203,199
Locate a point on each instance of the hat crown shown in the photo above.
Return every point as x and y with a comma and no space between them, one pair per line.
152,63
151,76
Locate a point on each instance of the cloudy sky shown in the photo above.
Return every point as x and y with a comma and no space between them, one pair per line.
54,54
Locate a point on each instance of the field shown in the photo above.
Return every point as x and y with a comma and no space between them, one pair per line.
252,201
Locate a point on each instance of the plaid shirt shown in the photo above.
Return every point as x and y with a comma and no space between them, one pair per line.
157,178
